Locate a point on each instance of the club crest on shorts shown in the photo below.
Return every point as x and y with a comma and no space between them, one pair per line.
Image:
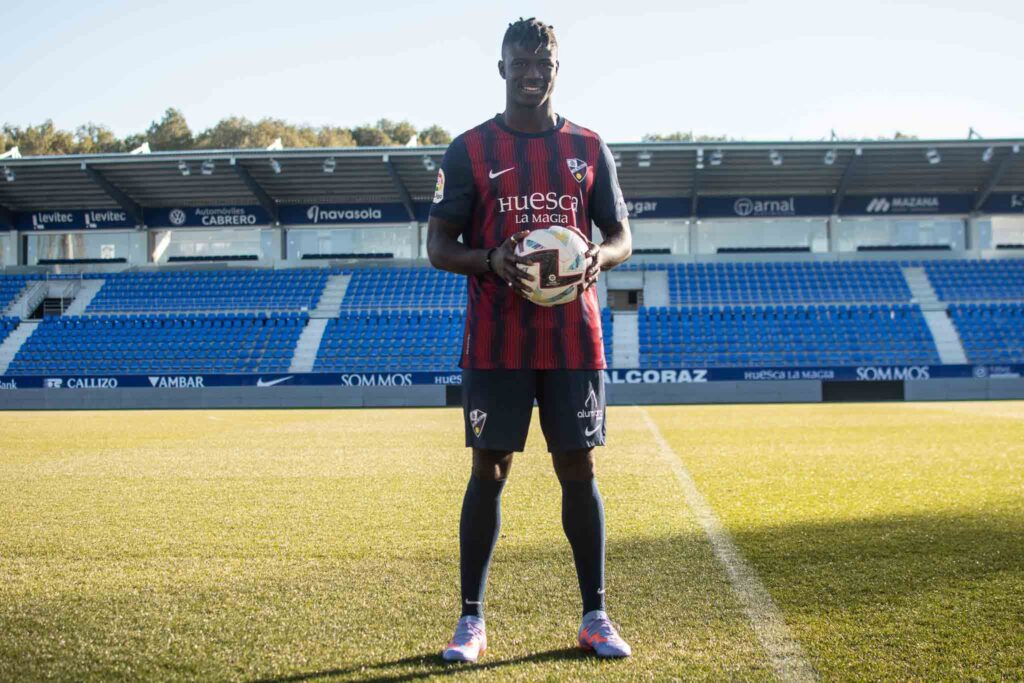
477,418
578,168
439,187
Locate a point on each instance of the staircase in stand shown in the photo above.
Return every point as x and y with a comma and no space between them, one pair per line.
330,298
27,300
85,295
625,339
10,347
308,345
936,315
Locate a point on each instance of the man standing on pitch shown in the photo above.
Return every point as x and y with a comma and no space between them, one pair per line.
529,168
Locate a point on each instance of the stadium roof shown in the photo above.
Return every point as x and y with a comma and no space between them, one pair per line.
407,175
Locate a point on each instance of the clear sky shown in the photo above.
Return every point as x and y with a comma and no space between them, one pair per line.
752,70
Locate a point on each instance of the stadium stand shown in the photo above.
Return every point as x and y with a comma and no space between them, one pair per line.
411,319
784,282
977,280
991,333
213,259
7,325
392,340
405,288
607,332
10,288
130,344
784,336
220,290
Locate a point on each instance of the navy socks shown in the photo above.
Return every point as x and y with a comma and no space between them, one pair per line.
583,521
478,532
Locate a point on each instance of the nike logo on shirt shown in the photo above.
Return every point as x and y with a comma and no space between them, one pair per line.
492,175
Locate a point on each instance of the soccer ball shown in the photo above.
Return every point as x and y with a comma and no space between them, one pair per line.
557,267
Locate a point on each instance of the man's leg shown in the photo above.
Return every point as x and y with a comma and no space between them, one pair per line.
572,414
583,522
497,405
480,524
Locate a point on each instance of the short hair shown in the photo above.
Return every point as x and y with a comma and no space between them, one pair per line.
530,33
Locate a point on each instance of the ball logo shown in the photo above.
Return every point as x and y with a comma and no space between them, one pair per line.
743,207
1017,201
177,217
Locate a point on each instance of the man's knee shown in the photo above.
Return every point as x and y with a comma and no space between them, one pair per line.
491,465
576,465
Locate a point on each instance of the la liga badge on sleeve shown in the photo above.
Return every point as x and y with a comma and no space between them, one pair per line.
439,187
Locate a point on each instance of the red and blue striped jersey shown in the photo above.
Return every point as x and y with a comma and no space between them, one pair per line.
495,182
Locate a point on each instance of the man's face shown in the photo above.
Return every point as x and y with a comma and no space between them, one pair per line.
529,76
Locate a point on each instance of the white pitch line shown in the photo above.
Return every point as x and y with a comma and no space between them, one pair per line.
784,651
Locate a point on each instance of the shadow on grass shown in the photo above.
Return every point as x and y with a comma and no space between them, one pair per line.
860,562
431,665
915,571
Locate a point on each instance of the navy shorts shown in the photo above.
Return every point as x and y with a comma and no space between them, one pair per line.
498,405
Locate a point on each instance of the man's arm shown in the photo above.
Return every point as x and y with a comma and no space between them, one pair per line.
616,249
611,217
446,252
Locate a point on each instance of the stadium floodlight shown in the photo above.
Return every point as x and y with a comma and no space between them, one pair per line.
987,155
716,158
142,149
933,156
428,163
643,159
9,174
12,153
858,151
830,157
329,165
207,167
618,159
275,166
700,159
1016,149
775,158
183,167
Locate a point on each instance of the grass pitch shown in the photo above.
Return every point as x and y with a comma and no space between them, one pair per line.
322,545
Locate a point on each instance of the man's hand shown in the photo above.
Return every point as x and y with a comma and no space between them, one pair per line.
593,256
504,263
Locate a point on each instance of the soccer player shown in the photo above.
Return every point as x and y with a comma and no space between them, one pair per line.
529,168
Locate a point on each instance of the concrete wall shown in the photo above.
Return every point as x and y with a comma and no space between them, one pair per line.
796,391
790,391
964,389
222,397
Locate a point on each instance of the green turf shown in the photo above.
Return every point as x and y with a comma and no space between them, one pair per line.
313,545
890,536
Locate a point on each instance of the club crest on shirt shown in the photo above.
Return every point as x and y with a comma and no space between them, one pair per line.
439,187
578,168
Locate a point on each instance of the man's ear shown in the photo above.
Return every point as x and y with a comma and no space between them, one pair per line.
501,68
